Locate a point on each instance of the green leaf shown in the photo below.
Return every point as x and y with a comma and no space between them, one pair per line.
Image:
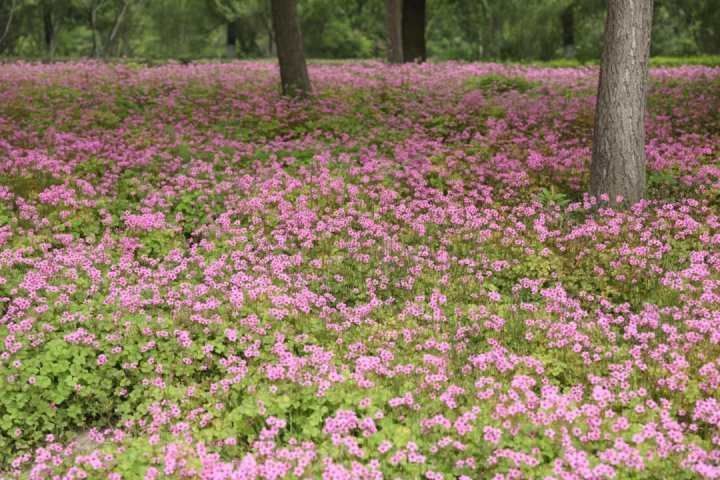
42,381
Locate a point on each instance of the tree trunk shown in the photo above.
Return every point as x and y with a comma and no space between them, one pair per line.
568,31
232,39
393,20
413,31
8,23
49,29
96,41
618,157
288,39
112,43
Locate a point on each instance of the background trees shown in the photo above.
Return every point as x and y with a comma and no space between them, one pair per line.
7,15
245,22
455,29
106,20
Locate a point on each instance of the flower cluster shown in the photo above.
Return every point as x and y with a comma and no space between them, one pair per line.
401,277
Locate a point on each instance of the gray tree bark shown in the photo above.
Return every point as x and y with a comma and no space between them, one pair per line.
393,19
288,40
618,156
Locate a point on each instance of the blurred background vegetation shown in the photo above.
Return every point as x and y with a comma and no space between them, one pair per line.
507,30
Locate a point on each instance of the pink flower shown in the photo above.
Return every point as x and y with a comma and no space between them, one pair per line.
145,221
492,435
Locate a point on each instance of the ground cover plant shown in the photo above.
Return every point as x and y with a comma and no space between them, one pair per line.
400,277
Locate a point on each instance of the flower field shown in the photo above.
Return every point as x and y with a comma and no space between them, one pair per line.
398,278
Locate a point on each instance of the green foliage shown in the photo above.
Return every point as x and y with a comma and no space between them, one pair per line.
340,29
493,83
6,215
60,390
678,61
561,63
158,243
661,179
666,184
552,196
29,185
106,119
456,29
91,167
192,209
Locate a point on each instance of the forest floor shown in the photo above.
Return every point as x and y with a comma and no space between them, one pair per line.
400,277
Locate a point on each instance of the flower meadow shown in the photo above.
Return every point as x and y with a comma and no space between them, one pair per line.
398,278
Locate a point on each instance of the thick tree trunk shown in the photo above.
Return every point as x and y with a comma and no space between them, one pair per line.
393,20
568,31
618,157
232,39
413,31
288,39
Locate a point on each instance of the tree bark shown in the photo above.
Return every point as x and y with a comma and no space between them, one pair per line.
618,157
393,20
96,41
49,29
112,39
568,31
413,31
288,40
8,23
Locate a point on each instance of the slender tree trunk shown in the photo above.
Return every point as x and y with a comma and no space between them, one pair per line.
618,158
288,39
413,31
232,39
49,31
112,39
8,23
96,42
393,20
568,31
